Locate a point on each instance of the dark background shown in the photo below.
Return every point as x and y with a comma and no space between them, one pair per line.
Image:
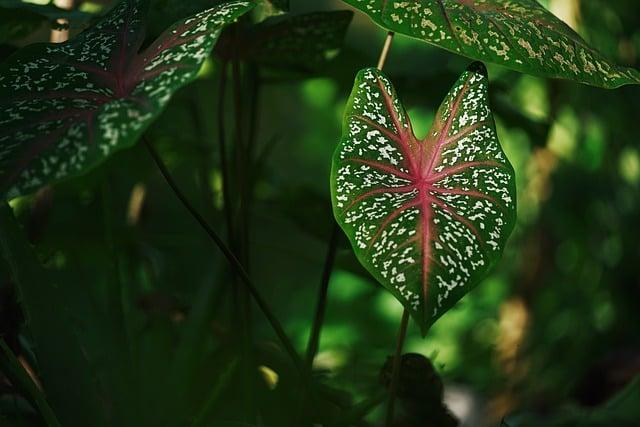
552,332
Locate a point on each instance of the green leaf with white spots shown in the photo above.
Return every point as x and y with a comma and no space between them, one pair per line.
519,34
66,107
428,217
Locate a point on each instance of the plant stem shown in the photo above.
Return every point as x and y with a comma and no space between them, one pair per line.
314,336
242,243
231,258
397,358
395,372
15,372
385,50
222,147
241,163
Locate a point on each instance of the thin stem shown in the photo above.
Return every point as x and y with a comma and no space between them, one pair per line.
385,50
314,337
241,161
222,147
231,258
395,372
21,379
242,244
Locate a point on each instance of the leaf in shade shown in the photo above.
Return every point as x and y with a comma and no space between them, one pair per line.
66,107
428,217
519,34
62,362
301,42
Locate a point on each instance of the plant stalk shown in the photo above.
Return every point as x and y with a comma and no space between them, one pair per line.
314,336
385,50
222,147
231,258
242,243
397,363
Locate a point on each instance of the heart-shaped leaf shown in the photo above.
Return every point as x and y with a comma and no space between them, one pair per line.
66,107
519,34
427,217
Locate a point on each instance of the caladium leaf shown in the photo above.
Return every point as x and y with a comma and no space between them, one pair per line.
519,34
299,41
427,217
65,108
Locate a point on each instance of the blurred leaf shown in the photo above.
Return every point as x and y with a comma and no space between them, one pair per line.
428,218
520,34
62,363
623,410
19,378
67,107
302,42
18,18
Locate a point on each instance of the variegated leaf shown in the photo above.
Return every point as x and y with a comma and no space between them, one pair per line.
66,107
427,217
519,34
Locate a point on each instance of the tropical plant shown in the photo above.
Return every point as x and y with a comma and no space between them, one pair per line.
428,217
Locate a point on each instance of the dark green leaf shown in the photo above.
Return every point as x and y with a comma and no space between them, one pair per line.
427,217
519,34
62,364
66,107
300,41
18,376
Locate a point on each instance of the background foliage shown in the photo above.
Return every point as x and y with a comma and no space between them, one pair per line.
548,339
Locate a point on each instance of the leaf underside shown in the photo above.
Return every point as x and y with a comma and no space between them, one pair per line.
64,108
519,34
427,217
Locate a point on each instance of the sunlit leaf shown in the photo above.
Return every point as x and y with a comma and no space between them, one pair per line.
519,34
66,107
427,217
